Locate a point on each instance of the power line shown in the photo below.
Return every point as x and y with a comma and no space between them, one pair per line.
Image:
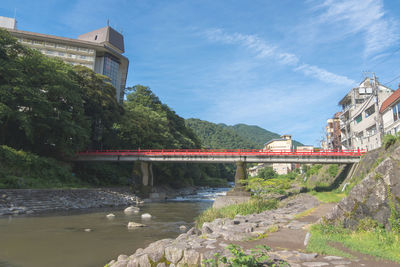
386,58
392,80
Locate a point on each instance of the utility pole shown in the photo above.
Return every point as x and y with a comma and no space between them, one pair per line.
378,118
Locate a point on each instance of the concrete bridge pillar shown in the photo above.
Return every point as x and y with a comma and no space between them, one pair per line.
241,173
143,177
146,170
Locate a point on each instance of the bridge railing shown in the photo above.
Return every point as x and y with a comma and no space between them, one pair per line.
224,152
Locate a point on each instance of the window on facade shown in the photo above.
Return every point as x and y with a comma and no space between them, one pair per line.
61,54
111,69
371,130
83,57
396,111
359,101
369,111
61,46
358,119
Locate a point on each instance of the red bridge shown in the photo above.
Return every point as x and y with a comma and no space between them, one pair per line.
238,156
223,155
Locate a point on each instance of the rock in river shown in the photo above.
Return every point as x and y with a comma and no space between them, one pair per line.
110,216
133,225
131,210
146,216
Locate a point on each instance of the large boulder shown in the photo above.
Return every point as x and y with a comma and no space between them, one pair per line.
375,197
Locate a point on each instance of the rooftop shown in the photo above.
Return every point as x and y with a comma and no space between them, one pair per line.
390,100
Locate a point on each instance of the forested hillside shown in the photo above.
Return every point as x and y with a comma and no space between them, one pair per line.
217,136
49,110
231,137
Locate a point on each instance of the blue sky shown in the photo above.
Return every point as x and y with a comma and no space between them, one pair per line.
282,65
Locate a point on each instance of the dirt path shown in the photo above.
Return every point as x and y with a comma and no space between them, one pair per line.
288,243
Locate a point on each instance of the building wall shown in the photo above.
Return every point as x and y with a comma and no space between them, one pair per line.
363,129
390,125
281,145
73,54
102,55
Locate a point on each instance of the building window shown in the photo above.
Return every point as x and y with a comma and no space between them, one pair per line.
371,130
61,54
111,69
396,111
369,111
358,119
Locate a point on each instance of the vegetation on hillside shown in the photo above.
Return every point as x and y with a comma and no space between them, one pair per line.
256,134
218,137
51,110
239,136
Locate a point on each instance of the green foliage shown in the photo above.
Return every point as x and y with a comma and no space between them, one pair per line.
310,171
370,239
253,206
328,197
260,187
257,257
218,137
394,219
389,140
267,173
19,169
333,170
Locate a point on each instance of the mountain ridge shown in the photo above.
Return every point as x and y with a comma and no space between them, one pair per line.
223,136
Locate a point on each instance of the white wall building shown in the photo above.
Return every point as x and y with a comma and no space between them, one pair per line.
283,144
390,111
360,121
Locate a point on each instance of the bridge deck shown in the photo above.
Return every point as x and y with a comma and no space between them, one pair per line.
223,155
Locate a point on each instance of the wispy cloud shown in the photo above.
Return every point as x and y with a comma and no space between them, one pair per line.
264,50
366,17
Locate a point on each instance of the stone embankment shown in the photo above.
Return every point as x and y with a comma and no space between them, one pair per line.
35,201
196,245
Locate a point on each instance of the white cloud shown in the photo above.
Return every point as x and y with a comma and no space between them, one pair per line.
264,50
324,75
366,17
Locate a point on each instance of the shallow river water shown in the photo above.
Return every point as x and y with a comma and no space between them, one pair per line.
59,240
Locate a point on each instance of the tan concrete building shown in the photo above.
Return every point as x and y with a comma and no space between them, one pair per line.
283,144
100,50
360,122
333,133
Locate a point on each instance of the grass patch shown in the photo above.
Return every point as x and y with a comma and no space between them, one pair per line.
304,213
328,197
253,206
376,242
270,230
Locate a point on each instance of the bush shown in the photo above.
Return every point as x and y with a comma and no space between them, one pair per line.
253,206
389,140
267,173
20,169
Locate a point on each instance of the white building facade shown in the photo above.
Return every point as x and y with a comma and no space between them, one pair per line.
100,50
360,121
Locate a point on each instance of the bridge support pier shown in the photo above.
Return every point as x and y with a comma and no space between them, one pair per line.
143,171
241,174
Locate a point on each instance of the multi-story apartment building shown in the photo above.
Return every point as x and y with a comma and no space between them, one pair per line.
333,133
360,122
100,50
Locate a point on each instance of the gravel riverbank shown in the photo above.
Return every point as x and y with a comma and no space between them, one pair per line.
37,201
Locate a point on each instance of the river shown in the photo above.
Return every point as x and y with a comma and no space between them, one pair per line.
58,240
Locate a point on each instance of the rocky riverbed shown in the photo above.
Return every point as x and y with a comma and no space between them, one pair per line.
196,245
287,244
36,201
